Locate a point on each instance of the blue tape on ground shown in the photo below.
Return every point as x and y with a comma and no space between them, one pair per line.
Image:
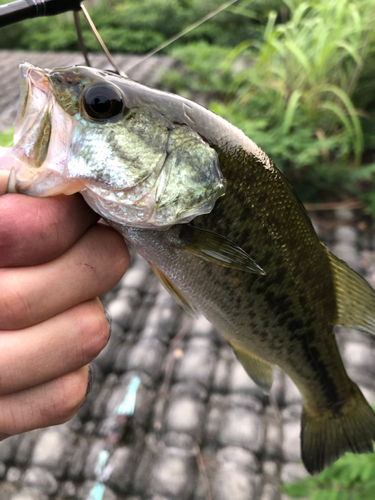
126,407
97,492
102,460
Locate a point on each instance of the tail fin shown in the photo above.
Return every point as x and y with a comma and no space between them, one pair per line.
326,437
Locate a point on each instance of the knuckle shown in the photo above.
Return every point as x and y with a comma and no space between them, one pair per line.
119,256
15,305
68,396
10,422
95,329
112,254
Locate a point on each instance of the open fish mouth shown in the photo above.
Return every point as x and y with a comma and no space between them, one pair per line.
42,138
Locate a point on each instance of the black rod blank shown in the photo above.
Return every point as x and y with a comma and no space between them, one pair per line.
26,9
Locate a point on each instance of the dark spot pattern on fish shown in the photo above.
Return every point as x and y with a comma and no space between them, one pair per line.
330,387
295,324
282,319
310,334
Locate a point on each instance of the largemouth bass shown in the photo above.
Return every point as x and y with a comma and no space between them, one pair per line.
219,224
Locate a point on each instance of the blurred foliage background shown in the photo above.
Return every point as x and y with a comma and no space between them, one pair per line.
298,77
350,478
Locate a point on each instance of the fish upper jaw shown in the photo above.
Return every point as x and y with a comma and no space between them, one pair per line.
37,77
33,98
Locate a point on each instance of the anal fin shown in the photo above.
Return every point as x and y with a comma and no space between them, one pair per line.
258,369
174,291
355,298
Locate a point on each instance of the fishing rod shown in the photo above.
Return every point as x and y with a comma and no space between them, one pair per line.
21,10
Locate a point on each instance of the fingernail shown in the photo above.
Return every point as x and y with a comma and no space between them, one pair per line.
109,321
3,436
89,381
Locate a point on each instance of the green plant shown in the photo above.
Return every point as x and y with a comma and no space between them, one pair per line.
350,478
303,92
310,66
6,138
138,26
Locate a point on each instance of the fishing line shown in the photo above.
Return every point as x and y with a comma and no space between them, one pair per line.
184,32
81,42
100,40
149,54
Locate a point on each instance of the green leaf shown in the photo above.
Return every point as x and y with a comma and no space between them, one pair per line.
335,108
299,54
358,135
297,490
290,110
270,24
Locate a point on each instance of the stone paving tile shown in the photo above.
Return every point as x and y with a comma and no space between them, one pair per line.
200,428
41,479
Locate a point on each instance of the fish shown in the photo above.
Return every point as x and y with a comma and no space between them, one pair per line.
218,222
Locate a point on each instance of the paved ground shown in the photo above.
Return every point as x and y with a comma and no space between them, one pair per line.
172,415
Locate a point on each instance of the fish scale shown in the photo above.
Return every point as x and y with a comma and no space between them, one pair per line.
219,224
223,310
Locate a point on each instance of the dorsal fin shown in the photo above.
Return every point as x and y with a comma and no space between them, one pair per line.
257,368
355,298
175,292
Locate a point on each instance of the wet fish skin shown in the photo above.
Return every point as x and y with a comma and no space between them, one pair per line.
284,315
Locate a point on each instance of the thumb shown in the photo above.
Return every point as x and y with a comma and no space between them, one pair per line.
6,158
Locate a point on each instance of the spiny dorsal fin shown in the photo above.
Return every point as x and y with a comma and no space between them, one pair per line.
175,292
257,368
355,298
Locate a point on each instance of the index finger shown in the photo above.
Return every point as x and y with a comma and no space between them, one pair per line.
38,230
7,161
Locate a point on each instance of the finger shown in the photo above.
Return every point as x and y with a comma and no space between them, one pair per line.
7,159
51,403
90,268
3,182
36,230
60,345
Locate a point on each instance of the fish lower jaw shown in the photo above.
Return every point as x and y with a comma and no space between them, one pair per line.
40,183
143,213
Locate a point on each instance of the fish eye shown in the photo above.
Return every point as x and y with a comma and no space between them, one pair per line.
103,102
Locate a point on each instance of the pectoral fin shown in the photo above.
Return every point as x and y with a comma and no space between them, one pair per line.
175,292
213,247
257,368
355,298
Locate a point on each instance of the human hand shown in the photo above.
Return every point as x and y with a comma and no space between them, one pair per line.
54,262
